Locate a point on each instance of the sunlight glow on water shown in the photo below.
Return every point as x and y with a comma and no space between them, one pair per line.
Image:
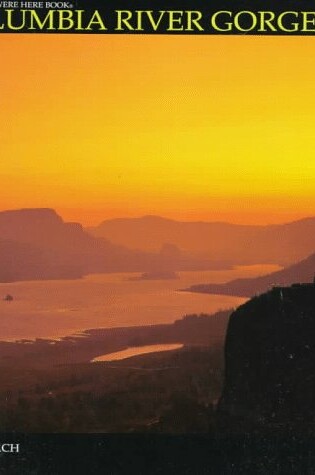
137,350
53,309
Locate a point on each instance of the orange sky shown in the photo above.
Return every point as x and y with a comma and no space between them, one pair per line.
213,127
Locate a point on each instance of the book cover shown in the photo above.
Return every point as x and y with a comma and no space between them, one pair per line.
157,237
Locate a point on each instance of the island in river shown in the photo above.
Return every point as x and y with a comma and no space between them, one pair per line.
166,275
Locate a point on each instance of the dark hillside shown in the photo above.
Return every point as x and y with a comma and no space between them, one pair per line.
270,362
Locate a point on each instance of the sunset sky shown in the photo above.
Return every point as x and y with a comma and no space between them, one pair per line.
211,128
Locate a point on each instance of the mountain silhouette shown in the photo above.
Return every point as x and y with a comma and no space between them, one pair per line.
281,244
38,244
24,261
301,272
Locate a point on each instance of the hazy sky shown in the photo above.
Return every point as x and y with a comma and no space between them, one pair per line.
187,127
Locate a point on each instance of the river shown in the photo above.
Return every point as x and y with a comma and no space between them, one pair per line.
53,309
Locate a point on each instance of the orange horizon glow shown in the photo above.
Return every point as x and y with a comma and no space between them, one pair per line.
212,128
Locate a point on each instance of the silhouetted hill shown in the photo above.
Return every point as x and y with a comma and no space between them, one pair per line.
270,354
223,242
301,272
23,261
43,227
38,244
42,245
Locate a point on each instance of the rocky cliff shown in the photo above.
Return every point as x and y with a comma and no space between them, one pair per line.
270,363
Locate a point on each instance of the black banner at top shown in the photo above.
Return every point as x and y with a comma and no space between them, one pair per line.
173,17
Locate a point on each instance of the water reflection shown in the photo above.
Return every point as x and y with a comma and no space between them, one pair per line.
137,350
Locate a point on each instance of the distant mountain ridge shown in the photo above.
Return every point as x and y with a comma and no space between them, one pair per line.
281,244
38,244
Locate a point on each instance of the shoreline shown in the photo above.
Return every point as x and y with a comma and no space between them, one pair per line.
192,330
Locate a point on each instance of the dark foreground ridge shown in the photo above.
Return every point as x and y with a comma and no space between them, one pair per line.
49,386
270,369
